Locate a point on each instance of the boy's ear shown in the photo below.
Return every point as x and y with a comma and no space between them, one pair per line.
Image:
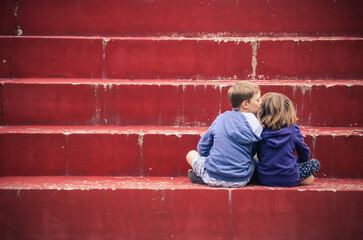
244,104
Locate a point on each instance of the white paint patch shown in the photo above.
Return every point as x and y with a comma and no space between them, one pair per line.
19,32
173,133
104,45
140,140
305,88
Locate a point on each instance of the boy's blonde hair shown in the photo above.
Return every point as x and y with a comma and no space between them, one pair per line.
241,91
277,111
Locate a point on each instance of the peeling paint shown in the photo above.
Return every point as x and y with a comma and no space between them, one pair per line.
105,41
140,140
314,144
97,110
254,58
162,196
173,133
104,45
18,30
305,88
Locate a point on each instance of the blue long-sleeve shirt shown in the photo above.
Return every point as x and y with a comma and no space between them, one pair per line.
277,164
229,146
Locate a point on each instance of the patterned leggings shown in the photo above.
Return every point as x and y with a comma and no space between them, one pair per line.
308,168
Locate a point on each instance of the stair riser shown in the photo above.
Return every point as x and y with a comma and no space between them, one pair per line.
164,214
159,58
45,57
309,60
4,57
7,21
100,154
173,105
243,17
142,154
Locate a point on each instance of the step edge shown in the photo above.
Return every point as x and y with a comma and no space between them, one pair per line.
215,38
159,183
177,82
161,130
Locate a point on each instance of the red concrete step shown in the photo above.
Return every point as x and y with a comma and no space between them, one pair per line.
7,17
166,102
182,58
4,58
145,150
174,208
309,59
193,17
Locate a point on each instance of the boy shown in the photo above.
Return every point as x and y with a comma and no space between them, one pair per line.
225,152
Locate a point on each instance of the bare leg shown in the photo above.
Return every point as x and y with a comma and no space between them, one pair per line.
308,180
193,177
191,155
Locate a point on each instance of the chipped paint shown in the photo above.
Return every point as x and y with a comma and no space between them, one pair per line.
162,196
140,140
104,45
18,30
306,88
97,109
173,134
314,144
254,58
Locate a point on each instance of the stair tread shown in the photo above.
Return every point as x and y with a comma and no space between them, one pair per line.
145,129
155,183
200,37
76,81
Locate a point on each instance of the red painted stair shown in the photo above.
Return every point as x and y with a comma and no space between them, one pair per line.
145,150
182,58
166,102
183,18
101,101
173,208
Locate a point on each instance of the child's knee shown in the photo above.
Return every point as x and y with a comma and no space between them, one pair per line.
316,163
191,155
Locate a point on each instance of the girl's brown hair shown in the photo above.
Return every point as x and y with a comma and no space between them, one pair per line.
277,111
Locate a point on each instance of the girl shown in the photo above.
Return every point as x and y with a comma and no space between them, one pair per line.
280,139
